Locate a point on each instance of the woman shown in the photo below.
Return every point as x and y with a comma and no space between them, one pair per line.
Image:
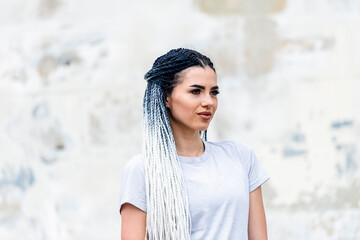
182,186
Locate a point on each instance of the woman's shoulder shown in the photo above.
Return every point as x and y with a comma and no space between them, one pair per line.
135,163
237,151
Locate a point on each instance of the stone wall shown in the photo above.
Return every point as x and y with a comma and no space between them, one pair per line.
71,87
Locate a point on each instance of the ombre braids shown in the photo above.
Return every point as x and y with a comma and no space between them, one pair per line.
168,215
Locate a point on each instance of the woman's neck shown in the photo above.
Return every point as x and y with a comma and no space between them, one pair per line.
188,144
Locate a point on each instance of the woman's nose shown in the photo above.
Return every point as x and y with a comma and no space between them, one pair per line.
207,100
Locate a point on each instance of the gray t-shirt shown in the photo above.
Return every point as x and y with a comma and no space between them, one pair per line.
218,185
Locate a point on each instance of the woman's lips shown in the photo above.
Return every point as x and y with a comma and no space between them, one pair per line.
205,115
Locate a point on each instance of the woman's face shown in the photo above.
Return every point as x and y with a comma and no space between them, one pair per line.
193,102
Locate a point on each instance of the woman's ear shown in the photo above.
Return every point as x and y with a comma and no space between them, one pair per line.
168,100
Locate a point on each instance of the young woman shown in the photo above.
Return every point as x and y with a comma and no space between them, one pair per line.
183,186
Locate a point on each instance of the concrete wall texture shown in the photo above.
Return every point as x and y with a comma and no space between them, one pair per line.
71,87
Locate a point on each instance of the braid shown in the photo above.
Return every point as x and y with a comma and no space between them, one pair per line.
168,215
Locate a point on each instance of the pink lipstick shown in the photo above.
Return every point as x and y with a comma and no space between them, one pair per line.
205,115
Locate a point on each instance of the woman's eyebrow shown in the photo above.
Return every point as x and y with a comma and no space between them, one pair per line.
202,87
198,86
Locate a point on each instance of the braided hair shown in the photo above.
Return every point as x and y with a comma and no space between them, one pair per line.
168,215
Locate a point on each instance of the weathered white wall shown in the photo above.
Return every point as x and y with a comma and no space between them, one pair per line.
71,87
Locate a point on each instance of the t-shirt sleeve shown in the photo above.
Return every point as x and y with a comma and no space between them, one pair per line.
256,173
132,186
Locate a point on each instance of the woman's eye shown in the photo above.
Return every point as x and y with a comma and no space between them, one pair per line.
196,91
215,93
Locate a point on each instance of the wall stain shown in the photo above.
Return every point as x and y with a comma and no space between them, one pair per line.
41,111
225,48
329,228
339,147
292,152
350,162
345,197
259,53
350,156
47,8
69,58
342,124
307,44
45,67
241,7
48,132
49,64
48,158
298,138
8,208
348,196
21,179
339,170
258,41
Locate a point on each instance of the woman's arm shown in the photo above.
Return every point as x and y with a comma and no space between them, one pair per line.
133,222
257,221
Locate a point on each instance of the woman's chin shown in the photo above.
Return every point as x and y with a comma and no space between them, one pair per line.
203,128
